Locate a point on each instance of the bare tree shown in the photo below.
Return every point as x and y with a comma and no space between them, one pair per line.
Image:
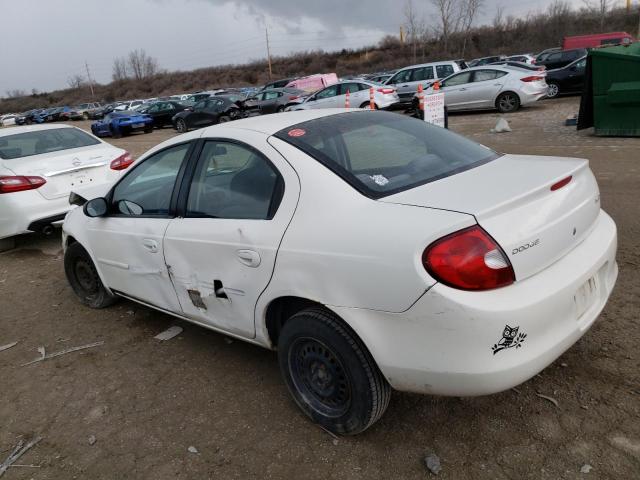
15,93
119,69
142,65
498,18
75,81
449,16
415,26
468,13
599,7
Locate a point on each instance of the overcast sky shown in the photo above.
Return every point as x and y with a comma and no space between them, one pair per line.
44,42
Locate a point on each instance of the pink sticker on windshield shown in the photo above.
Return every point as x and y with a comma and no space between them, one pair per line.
297,132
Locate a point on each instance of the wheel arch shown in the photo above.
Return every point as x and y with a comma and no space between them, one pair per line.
495,102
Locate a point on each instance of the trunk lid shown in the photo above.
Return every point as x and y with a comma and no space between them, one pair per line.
511,198
65,170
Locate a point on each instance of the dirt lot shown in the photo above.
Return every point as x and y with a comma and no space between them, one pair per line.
146,402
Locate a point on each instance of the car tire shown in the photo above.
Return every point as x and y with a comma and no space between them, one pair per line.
508,102
366,105
181,126
224,119
148,129
330,373
281,109
85,116
553,90
115,133
84,279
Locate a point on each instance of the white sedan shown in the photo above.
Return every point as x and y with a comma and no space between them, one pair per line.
491,87
41,164
335,96
372,250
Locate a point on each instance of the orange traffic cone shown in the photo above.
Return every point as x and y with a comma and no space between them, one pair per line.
372,103
436,86
346,101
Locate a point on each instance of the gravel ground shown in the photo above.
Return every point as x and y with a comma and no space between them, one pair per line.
133,407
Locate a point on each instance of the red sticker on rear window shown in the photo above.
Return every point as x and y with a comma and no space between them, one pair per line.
297,132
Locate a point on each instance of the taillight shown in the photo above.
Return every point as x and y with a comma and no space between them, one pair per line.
469,260
20,183
294,97
386,91
533,78
122,162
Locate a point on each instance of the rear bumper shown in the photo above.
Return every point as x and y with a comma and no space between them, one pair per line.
450,341
532,94
28,211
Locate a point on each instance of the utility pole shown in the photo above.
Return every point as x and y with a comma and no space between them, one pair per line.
266,32
86,65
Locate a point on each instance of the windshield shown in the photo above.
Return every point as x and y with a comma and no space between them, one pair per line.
43,141
381,153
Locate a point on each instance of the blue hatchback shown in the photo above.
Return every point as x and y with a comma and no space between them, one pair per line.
117,124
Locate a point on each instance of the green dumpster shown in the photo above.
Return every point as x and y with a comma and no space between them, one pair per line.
611,98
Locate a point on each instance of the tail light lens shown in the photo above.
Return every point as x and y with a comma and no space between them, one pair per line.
294,97
386,91
20,183
468,260
533,78
122,162
561,183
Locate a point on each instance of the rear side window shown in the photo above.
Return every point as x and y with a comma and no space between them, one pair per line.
483,75
381,153
43,141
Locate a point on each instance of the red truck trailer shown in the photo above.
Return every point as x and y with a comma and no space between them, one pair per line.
596,40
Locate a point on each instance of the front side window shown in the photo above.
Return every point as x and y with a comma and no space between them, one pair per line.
328,92
233,181
381,153
147,189
43,141
459,79
401,77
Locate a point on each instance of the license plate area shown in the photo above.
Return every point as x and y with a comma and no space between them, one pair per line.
585,297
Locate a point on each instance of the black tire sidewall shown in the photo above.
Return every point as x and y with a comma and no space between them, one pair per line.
517,106
311,324
102,298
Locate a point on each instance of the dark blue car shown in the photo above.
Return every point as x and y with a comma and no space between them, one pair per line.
117,124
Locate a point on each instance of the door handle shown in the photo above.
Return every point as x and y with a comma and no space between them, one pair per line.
150,245
250,258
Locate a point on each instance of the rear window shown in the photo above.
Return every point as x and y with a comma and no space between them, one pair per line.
43,141
382,153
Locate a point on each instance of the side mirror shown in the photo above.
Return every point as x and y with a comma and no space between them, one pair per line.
95,208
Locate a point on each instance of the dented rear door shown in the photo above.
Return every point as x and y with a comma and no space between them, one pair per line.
222,252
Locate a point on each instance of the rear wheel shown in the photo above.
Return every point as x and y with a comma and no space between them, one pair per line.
366,105
281,109
553,90
508,102
330,374
224,119
84,279
181,125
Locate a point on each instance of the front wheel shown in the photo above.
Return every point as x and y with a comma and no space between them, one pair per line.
553,90
507,102
224,119
330,373
84,279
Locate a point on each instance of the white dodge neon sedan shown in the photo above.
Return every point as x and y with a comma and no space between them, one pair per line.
372,250
41,164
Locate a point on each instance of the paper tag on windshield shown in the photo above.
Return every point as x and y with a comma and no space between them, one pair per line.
380,180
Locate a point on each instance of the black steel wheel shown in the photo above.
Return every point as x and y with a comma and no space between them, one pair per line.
330,373
84,279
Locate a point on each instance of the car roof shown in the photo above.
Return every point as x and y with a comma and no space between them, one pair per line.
428,64
31,128
270,124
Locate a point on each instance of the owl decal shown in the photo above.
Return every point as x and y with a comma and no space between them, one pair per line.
511,338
